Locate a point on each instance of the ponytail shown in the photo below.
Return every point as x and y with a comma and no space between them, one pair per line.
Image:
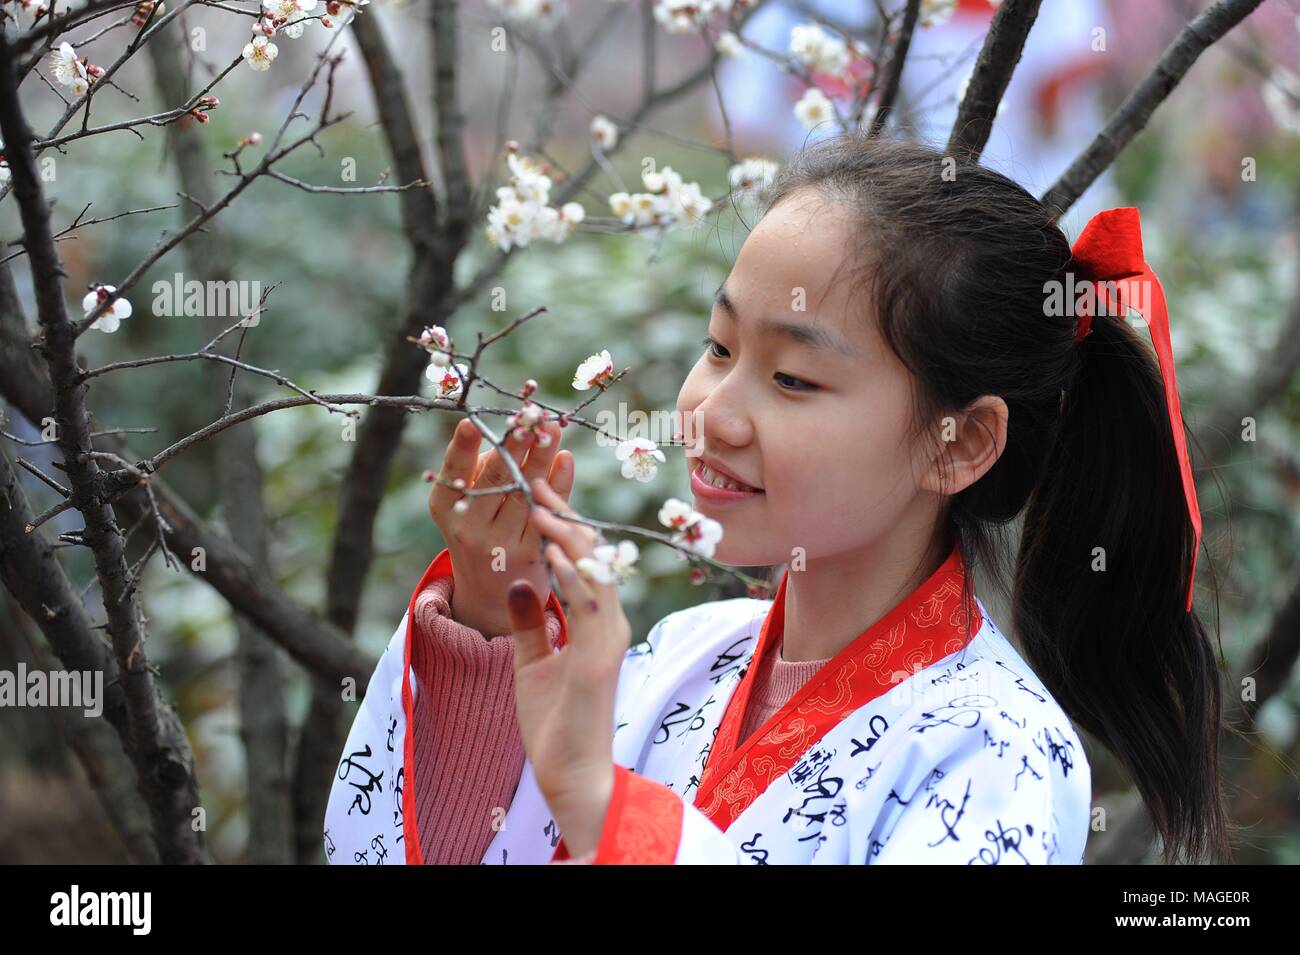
1098,600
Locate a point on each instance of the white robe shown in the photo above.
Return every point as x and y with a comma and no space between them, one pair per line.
906,747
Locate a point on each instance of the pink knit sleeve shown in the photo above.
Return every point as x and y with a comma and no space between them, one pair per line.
469,754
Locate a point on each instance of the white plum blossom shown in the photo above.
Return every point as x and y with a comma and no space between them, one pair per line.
667,199
676,514
293,12
818,50
112,317
638,456
620,203
530,417
749,177
694,531
604,133
685,16
728,44
530,183
435,340
556,225
259,52
522,214
545,11
610,564
934,12
450,380
595,372
67,70
701,536
813,108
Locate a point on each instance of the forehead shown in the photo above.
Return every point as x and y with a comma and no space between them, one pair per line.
794,269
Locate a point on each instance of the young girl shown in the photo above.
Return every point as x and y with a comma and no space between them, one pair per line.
898,364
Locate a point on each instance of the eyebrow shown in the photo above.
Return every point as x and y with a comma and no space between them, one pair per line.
813,336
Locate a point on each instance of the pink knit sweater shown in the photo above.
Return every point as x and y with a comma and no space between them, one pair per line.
469,754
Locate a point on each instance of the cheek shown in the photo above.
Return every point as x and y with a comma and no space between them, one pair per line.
854,469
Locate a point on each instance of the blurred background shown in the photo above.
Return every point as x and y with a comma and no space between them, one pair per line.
1224,245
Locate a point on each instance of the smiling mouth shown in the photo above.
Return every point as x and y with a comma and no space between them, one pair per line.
721,481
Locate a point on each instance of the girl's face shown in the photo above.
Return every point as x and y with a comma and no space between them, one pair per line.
801,397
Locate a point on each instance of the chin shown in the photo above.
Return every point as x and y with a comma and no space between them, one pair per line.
733,556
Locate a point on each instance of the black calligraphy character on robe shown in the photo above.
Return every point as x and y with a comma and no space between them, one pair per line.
362,799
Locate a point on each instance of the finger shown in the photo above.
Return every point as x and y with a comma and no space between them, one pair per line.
546,494
483,502
459,462
562,479
513,514
572,586
527,623
497,474
540,458
563,475
576,538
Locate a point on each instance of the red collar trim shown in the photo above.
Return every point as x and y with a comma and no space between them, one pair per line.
926,626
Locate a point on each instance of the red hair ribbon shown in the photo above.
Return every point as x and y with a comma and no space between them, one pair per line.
1110,251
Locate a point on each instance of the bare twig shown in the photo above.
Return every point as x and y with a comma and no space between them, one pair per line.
1132,115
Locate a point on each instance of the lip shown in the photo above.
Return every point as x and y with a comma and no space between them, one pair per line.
720,495
716,466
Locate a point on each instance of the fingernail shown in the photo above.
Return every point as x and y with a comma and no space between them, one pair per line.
522,600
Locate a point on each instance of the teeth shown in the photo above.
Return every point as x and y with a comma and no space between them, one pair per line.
718,480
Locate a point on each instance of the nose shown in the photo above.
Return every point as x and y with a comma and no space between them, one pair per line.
722,412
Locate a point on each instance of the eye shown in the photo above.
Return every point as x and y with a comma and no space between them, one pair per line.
712,346
800,384
804,385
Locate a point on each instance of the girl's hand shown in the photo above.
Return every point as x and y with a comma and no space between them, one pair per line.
483,574
565,700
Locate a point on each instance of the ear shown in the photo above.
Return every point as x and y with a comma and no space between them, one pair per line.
970,443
